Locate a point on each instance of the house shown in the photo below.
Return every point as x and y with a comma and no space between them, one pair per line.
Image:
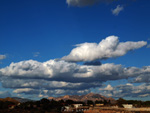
98,105
77,105
11,106
127,105
67,108
115,106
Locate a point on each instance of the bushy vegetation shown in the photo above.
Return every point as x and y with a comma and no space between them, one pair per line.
41,106
6,104
45,105
136,103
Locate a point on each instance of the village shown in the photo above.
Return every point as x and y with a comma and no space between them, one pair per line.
69,106
100,108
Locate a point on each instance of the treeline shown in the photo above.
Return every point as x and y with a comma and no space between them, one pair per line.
136,103
45,105
6,104
41,106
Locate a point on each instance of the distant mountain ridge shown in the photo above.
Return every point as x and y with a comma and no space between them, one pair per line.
90,96
21,100
15,99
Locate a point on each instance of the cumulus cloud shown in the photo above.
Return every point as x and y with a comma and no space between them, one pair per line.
143,78
47,85
144,95
127,90
107,48
108,88
24,90
46,93
59,77
2,57
53,70
117,10
81,3
60,92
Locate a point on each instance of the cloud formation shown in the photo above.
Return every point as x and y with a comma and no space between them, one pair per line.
2,57
126,90
143,78
117,10
61,77
107,48
53,70
81,3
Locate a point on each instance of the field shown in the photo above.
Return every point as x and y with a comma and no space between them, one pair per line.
118,110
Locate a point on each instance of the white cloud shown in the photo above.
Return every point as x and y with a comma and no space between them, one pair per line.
2,57
144,95
47,85
107,48
117,10
28,68
53,70
127,90
108,88
60,92
54,92
22,90
81,3
59,77
143,75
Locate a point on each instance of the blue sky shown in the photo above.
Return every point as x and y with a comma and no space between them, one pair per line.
38,31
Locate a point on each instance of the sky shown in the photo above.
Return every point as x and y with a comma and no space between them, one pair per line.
74,47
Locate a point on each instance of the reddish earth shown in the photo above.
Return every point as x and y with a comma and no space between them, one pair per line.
113,111
100,111
9,99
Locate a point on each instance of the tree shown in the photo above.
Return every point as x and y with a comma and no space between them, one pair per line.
98,102
44,101
90,102
121,101
70,102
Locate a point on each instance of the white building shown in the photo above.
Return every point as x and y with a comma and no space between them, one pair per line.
77,105
127,105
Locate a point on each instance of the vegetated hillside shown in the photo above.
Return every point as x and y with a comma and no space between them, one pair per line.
91,96
9,99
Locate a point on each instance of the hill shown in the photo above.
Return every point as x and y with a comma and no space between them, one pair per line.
91,96
9,99
21,100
